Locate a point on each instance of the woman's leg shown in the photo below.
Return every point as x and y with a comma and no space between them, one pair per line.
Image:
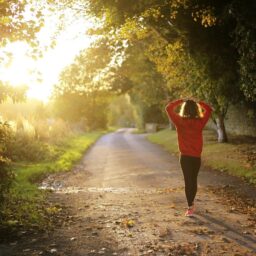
190,167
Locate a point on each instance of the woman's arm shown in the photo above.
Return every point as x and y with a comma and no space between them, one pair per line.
170,110
207,112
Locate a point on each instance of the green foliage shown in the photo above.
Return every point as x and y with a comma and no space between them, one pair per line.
200,61
191,44
148,84
84,75
24,208
70,150
121,112
31,134
25,203
15,26
25,142
26,148
167,138
148,88
6,174
6,178
84,90
244,36
88,110
175,48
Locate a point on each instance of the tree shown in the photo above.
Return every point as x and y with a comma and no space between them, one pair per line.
15,26
202,48
121,112
83,92
244,36
188,40
148,91
19,21
201,67
89,111
6,174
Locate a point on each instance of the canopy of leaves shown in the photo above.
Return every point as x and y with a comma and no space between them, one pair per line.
200,31
84,89
90,70
244,36
15,25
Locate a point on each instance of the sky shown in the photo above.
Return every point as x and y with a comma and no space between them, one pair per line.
24,70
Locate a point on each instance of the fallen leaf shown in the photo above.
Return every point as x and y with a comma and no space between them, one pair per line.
53,250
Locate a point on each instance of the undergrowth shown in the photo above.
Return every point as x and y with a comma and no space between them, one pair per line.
25,204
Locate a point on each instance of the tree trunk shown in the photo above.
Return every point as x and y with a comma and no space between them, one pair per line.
221,131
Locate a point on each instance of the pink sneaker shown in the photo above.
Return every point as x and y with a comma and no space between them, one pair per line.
189,212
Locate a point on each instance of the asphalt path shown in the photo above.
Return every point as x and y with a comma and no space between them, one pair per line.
126,197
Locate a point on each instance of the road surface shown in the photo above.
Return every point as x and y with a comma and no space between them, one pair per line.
126,197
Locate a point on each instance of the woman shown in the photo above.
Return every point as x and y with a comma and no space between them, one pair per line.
189,124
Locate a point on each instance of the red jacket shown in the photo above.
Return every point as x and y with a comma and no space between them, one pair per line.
190,138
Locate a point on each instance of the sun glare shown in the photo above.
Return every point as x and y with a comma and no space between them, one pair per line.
17,72
40,75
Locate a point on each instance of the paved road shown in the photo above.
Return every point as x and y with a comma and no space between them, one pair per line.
126,197
125,160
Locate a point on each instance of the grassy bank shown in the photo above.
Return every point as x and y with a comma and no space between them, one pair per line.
26,204
234,157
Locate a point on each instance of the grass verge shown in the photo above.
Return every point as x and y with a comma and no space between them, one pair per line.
233,157
26,205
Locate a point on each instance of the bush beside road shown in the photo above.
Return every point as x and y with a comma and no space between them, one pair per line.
25,203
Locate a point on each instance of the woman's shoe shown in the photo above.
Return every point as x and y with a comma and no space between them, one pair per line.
190,212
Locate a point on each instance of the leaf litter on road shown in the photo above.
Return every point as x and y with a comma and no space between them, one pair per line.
128,223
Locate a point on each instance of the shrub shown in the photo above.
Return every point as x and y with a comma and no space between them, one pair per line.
29,142
58,130
25,148
6,177
6,174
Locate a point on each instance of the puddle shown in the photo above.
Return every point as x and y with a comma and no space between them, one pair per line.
110,189
61,188
123,190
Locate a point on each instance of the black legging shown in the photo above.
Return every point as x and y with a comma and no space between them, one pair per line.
190,166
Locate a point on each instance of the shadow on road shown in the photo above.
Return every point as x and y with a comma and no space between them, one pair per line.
231,232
